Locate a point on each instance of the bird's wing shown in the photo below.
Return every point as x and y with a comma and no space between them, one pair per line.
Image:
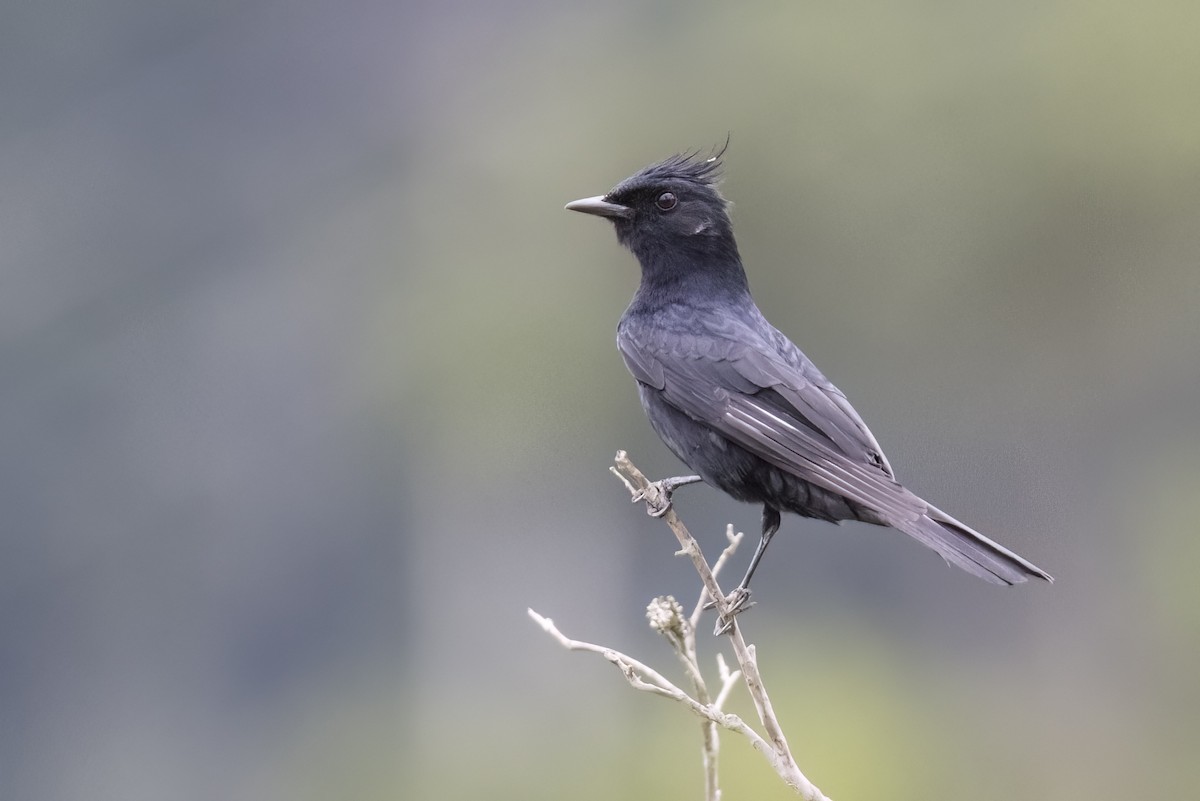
774,405
785,369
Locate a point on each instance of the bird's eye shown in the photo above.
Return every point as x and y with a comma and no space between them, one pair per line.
666,201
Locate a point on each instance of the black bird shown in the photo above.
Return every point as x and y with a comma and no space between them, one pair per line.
734,399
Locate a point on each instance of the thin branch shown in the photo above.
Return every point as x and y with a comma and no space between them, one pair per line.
666,617
712,743
642,489
728,681
776,751
734,541
644,678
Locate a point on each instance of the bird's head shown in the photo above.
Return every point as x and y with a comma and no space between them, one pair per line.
668,210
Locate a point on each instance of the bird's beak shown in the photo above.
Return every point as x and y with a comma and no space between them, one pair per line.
600,207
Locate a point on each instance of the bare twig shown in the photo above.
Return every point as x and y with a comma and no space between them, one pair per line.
734,541
666,617
712,743
642,489
728,681
776,751
644,678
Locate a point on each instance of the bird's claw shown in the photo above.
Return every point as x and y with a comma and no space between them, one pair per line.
738,601
658,502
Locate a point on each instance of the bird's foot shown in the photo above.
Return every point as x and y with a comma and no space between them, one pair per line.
658,495
738,601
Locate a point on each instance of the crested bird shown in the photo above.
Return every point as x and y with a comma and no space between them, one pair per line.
734,399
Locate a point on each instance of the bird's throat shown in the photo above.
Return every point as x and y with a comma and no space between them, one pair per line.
676,278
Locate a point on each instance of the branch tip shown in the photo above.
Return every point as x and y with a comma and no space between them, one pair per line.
666,616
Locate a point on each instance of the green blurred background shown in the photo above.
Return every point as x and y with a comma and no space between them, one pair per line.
309,390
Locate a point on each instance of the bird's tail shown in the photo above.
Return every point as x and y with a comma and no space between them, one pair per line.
964,547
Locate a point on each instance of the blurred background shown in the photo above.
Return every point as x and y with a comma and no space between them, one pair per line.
308,390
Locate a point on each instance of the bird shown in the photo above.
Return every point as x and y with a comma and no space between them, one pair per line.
735,400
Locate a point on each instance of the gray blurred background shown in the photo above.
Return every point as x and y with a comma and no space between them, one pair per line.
309,390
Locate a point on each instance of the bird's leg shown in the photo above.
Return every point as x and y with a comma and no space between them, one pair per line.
739,600
657,505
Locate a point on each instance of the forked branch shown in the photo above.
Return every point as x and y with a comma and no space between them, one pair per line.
666,617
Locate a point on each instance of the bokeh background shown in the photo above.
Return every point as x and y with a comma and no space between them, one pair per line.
309,389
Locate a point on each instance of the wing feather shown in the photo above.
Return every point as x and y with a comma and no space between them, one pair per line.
760,392
778,408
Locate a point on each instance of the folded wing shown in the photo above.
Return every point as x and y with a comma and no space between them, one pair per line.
763,394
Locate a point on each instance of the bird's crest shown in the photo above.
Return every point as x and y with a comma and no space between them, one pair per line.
690,166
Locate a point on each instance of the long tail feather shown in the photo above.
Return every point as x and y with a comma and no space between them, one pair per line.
962,546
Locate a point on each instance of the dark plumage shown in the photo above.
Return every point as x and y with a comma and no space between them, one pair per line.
738,402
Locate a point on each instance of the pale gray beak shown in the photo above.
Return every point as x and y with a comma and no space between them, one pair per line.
600,207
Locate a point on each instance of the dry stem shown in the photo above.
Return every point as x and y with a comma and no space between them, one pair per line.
777,751
666,616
